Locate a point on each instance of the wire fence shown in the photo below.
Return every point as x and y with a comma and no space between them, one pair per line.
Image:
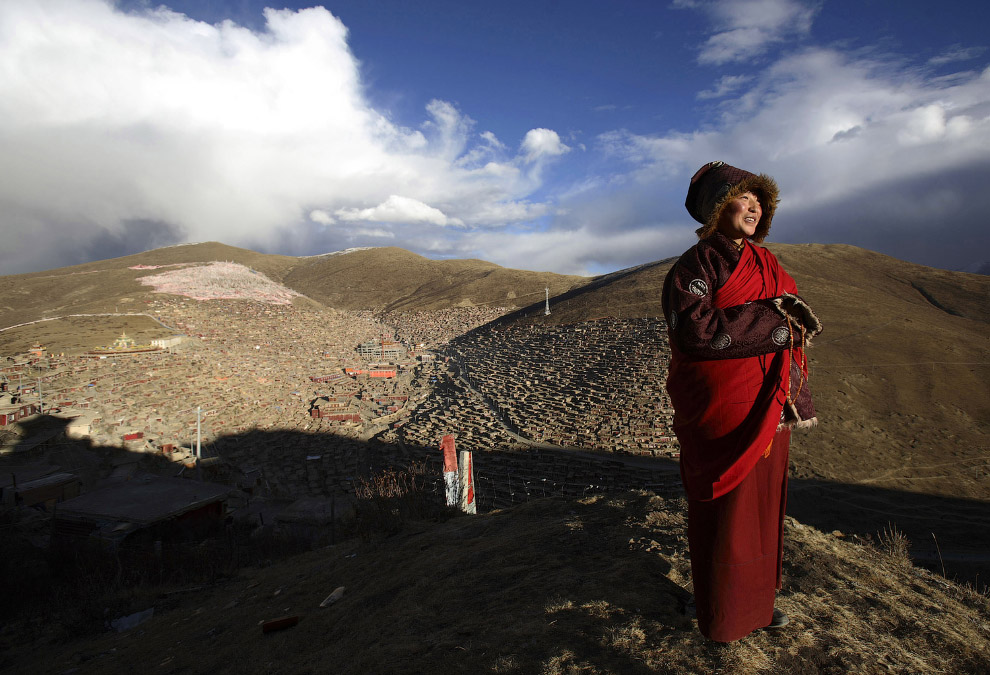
499,487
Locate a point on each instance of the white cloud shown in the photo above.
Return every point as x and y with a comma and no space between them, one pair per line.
746,28
726,85
147,128
321,217
579,250
956,54
375,233
540,143
864,153
400,210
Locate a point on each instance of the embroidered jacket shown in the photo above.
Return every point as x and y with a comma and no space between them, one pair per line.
702,331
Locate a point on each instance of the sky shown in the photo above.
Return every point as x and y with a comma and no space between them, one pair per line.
543,135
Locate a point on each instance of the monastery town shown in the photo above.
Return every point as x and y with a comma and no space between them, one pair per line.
292,402
194,456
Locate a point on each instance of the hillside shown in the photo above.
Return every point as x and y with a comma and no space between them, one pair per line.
110,285
554,586
395,280
384,279
900,373
900,385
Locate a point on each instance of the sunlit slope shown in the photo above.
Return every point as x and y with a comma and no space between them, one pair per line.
393,279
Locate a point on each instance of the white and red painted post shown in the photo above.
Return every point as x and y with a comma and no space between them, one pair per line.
449,469
466,471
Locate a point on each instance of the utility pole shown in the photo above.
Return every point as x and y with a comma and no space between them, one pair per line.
546,312
198,435
41,402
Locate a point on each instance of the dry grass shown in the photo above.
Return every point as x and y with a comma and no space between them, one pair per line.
387,501
520,591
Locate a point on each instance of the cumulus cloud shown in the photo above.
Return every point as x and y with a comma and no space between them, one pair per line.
397,209
541,143
746,28
196,132
322,217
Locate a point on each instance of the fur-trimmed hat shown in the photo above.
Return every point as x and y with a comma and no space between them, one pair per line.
716,183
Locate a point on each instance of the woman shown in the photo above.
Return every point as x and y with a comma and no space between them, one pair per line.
738,384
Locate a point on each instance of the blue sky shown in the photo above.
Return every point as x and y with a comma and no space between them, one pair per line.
540,135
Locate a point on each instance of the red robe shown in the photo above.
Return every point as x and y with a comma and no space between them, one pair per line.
733,459
727,410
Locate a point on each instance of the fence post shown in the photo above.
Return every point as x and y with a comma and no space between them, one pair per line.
466,470
449,469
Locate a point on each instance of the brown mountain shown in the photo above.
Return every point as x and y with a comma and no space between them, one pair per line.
392,279
104,285
388,279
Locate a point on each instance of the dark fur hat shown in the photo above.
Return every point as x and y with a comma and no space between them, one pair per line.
716,183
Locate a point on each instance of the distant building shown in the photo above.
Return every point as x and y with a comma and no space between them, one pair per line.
13,408
334,409
124,345
381,350
333,377
165,343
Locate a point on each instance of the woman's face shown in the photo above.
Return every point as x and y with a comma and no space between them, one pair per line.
740,217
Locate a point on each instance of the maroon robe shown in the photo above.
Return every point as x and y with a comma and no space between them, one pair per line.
728,393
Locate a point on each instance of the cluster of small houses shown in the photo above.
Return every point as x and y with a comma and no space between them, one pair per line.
436,328
245,368
597,385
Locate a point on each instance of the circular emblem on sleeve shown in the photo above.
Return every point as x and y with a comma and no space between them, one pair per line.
698,287
721,341
780,335
673,320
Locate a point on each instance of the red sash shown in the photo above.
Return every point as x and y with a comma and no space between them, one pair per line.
726,411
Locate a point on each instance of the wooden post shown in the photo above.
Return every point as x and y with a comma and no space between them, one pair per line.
466,471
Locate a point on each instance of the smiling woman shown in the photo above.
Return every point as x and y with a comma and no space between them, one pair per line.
738,384
740,217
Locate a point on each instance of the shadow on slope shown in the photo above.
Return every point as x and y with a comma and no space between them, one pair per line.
594,583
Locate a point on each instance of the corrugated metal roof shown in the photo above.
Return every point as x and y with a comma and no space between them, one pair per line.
144,499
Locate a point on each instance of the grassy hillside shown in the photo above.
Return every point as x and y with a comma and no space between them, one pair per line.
109,285
592,585
395,280
553,586
387,279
